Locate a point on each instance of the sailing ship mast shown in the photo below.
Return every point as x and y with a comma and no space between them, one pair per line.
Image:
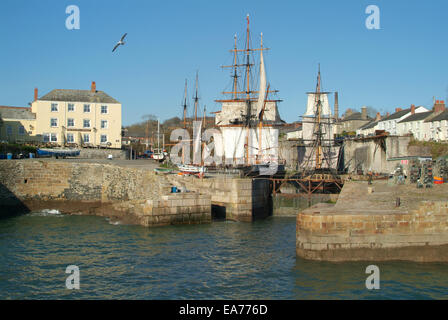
260,127
185,105
247,94
196,100
320,146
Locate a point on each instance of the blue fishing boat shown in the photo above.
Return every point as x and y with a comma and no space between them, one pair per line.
57,152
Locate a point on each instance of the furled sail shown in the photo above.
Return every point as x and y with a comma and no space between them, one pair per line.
262,91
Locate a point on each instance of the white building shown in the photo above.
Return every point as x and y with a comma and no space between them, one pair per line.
415,124
437,126
389,123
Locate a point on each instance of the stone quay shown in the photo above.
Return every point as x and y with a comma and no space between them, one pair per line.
377,222
128,191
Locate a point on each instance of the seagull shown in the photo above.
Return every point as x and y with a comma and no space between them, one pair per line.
121,42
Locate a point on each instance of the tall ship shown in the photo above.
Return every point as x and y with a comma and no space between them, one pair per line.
249,119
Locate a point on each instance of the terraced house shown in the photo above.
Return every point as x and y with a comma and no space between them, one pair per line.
17,124
86,118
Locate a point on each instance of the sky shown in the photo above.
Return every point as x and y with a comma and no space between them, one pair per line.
402,63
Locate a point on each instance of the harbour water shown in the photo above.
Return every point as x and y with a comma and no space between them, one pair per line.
222,260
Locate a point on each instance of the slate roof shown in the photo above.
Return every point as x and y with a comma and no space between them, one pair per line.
16,113
441,116
397,115
369,125
356,116
416,117
78,96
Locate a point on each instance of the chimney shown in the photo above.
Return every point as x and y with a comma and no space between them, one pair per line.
348,112
378,116
412,109
439,106
387,114
398,109
336,106
35,94
364,113
93,88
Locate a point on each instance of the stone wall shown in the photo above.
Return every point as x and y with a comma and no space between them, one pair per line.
92,188
91,153
375,228
176,208
372,155
238,199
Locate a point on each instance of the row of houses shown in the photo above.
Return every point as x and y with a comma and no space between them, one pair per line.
418,121
88,118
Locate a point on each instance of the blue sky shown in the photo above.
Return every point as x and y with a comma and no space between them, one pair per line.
403,63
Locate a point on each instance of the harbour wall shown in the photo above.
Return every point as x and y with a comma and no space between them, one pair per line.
132,195
380,155
374,228
236,199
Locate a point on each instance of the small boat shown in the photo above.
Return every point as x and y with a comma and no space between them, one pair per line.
163,170
159,156
190,169
58,152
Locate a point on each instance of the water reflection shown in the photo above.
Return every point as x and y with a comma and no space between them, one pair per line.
224,260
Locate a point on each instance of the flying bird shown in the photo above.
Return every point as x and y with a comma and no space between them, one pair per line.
121,42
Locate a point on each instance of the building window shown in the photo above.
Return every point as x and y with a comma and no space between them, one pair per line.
50,137
53,122
87,108
71,107
70,122
86,123
54,107
103,138
21,130
70,138
103,124
104,109
8,130
86,137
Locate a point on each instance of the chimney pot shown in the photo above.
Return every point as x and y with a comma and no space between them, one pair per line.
397,109
364,113
35,94
378,116
93,88
412,109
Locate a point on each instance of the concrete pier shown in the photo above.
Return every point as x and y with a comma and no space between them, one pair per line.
366,224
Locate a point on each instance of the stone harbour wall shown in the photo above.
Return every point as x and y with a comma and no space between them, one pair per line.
417,230
237,199
121,193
